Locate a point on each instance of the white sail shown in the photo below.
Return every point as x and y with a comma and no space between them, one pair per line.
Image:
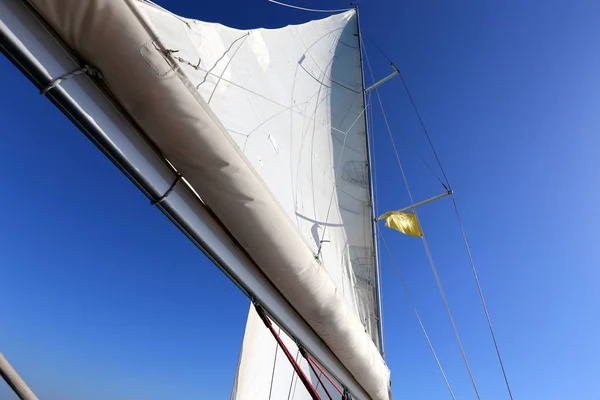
292,101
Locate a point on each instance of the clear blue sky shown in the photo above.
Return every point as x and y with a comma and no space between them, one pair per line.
101,297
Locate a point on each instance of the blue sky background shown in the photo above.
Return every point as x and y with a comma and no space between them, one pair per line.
101,297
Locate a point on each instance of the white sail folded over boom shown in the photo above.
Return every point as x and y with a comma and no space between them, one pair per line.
268,128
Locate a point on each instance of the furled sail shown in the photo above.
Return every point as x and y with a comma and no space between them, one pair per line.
268,127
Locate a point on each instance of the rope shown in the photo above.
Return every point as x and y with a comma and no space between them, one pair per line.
427,250
412,304
447,305
308,9
485,309
86,69
412,101
305,355
404,138
307,384
170,52
460,223
168,192
310,359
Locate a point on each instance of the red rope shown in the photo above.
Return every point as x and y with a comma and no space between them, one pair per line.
312,360
307,384
305,355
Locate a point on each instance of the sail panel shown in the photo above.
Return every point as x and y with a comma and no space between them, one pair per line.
291,98
152,86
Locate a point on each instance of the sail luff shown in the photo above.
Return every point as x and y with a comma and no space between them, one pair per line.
378,302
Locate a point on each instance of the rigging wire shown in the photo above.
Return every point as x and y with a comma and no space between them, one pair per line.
406,139
485,309
308,9
293,361
414,307
460,223
425,243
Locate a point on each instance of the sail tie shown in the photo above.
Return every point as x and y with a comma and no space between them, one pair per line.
170,52
168,192
86,69
307,384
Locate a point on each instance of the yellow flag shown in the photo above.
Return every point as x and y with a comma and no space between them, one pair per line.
405,222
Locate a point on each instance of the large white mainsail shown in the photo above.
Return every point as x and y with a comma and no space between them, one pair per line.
311,133
292,100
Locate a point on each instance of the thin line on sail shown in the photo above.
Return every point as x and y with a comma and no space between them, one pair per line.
243,37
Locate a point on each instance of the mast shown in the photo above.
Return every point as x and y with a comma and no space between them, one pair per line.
378,306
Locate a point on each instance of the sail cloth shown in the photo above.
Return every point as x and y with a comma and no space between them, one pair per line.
294,178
